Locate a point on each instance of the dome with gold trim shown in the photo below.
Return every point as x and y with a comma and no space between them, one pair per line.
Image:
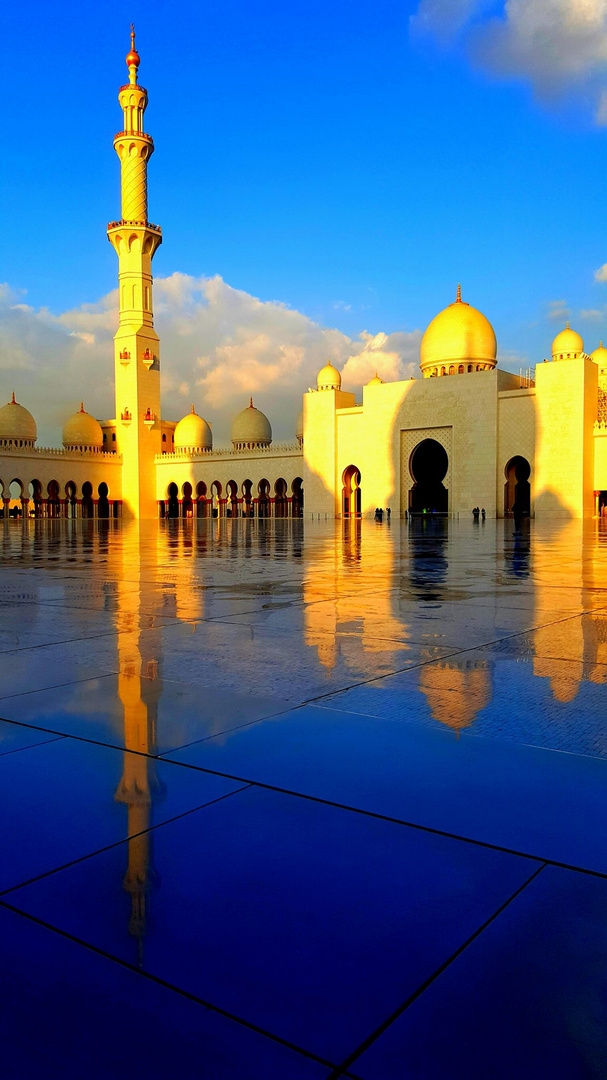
82,431
17,425
600,357
459,339
193,433
567,345
328,378
250,428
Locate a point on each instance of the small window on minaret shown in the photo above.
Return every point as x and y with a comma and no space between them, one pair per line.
114,437
164,438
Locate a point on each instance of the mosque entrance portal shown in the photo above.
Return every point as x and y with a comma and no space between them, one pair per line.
350,495
517,490
428,465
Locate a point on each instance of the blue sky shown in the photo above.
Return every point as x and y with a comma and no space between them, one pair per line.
326,156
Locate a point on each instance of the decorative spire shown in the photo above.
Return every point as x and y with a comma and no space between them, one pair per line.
13,401
458,298
251,403
567,327
81,406
193,410
132,60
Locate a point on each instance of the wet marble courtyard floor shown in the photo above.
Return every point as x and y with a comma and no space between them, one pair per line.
303,800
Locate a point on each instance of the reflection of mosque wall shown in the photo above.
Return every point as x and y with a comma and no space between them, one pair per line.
456,690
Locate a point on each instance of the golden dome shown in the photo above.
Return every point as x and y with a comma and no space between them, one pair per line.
600,356
82,430
192,432
375,381
459,333
328,378
567,345
251,428
17,424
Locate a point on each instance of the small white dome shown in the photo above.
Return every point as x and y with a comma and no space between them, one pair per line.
16,423
192,432
82,430
251,428
328,378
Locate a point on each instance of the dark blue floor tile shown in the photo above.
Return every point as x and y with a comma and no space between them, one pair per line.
66,798
535,801
308,921
527,999
15,737
68,1012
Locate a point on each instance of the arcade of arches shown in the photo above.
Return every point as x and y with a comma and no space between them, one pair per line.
248,501
19,499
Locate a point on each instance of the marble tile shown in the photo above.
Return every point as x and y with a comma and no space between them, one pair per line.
66,798
531,800
67,1011
308,921
527,998
14,737
103,709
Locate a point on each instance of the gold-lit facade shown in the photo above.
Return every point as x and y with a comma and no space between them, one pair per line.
466,434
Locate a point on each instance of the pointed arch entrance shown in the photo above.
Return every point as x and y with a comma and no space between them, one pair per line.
351,501
428,466
517,489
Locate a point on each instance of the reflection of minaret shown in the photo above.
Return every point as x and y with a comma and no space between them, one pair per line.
137,365
139,688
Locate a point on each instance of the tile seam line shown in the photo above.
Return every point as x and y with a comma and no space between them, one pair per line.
345,1065
117,843
248,782
168,985
45,689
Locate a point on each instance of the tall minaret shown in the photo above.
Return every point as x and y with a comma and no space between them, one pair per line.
137,364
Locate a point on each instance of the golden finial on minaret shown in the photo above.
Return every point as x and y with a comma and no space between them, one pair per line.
13,401
251,403
132,60
458,298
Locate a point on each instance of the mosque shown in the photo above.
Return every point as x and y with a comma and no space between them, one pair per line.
465,434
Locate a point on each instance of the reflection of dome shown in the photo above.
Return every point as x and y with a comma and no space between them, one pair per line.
567,345
82,430
328,378
299,428
456,691
600,357
17,424
192,432
251,428
460,333
375,381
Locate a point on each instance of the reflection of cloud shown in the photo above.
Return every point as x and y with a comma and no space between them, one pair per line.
219,345
555,45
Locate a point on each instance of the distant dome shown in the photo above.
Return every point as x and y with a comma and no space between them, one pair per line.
82,430
567,345
600,357
192,432
251,428
458,334
375,381
17,424
328,378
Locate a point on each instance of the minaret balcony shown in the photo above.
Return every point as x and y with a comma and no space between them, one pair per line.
142,224
149,419
125,357
126,416
134,135
148,358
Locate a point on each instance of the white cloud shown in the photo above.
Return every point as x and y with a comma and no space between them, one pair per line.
594,314
555,45
601,273
558,310
218,346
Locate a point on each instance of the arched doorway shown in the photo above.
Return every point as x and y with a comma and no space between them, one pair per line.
173,493
103,503
281,504
247,497
186,501
298,496
201,499
232,489
350,495
71,502
87,500
263,498
428,466
517,489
